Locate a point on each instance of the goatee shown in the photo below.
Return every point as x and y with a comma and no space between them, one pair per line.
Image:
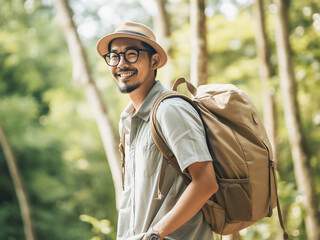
129,89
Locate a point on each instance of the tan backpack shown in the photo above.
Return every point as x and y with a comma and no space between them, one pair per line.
242,156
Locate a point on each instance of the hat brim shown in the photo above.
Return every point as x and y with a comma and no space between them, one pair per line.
103,43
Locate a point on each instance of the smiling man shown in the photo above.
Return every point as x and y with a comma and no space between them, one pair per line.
133,57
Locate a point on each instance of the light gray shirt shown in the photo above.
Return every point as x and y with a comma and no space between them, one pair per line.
183,130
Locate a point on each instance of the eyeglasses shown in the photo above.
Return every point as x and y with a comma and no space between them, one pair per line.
130,55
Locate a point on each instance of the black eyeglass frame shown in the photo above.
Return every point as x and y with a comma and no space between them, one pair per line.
124,55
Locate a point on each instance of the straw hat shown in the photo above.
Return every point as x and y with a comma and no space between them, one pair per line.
136,31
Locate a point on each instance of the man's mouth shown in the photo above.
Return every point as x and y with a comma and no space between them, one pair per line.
125,74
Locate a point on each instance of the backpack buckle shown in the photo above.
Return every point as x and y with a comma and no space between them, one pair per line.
271,163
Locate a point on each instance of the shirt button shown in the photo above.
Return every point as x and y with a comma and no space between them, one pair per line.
132,147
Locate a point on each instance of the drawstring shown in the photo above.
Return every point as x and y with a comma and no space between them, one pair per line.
161,178
123,157
285,234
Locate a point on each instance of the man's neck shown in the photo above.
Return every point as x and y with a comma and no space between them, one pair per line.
139,95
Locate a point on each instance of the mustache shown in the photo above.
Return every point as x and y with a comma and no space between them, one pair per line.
125,70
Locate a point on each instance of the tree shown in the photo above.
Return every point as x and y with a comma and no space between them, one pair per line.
18,186
162,26
82,76
162,22
199,55
299,153
265,71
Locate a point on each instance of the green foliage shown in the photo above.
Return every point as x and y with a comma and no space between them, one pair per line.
50,129
10,218
55,139
99,227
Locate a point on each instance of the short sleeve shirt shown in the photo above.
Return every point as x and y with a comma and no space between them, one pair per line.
183,131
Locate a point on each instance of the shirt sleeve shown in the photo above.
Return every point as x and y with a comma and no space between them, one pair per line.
183,130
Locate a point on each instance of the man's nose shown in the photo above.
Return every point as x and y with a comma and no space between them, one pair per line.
122,61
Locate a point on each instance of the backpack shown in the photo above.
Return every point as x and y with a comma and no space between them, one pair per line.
242,156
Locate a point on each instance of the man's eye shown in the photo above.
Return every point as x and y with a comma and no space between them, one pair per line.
132,53
113,56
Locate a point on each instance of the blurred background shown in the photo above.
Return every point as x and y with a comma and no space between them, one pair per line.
59,107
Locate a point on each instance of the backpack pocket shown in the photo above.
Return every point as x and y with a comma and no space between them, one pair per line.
237,198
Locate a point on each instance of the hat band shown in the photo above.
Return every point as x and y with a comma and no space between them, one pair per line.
132,32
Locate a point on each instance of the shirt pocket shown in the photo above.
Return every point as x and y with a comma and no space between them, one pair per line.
148,160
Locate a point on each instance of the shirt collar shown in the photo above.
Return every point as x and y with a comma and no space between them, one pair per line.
144,110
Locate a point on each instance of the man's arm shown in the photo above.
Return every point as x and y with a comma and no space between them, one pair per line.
201,188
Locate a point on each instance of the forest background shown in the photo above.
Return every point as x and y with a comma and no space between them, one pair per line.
53,151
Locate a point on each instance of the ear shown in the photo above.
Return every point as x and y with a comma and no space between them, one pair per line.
155,60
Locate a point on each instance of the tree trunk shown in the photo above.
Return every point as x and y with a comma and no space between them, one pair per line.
82,76
162,22
302,168
18,186
162,26
265,71
199,55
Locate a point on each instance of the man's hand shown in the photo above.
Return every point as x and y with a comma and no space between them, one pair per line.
146,234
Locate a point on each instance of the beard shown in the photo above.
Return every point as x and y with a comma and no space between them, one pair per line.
124,88
129,89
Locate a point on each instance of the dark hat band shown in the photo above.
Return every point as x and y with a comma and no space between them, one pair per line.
132,32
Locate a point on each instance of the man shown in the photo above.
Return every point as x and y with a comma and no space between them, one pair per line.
133,57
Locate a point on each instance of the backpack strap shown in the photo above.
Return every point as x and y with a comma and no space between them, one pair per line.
159,141
168,156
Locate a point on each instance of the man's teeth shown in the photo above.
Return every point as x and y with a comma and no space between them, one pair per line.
125,74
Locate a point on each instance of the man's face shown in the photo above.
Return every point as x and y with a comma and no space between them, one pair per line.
130,76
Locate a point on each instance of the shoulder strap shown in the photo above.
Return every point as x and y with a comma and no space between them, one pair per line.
164,149
158,138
